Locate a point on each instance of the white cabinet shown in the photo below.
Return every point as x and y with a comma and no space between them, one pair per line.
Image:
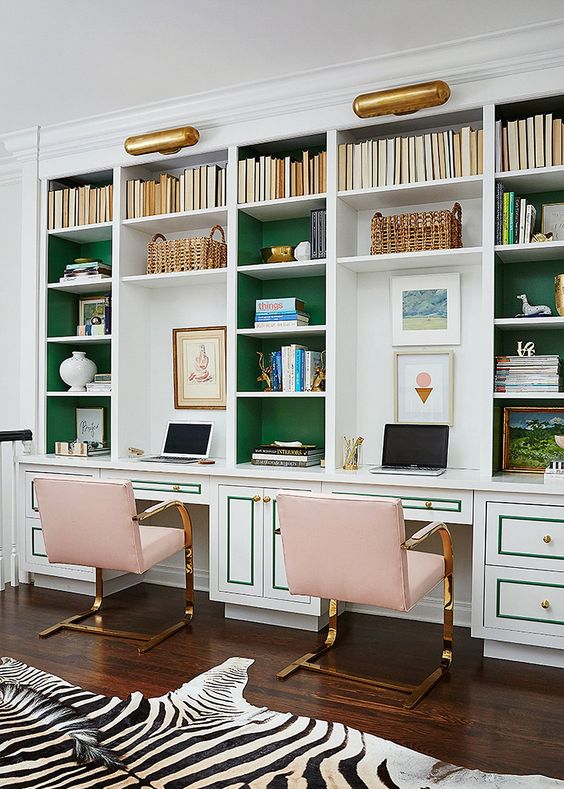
250,559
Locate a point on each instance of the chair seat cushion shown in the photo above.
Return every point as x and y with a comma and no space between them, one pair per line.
425,571
158,543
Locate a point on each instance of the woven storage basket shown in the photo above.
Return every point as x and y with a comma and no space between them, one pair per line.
186,254
416,232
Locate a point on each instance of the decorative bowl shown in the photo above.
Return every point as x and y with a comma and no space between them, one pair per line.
277,254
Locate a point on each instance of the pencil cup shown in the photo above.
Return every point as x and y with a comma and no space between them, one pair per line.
351,453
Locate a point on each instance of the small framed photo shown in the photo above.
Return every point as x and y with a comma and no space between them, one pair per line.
200,367
91,311
552,220
529,438
90,425
423,387
426,309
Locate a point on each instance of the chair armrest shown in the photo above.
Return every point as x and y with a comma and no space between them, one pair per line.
156,508
182,511
446,540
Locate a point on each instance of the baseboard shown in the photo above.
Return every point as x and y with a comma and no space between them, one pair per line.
79,586
266,616
430,609
524,653
163,575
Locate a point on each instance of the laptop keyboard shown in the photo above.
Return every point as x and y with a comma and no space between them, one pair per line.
422,470
170,459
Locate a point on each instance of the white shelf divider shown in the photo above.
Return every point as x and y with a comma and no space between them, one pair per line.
465,256
79,394
84,234
214,276
438,191
306,268
528,395
84,286
280,394
310,331
547,322
89,340
536,179
284,207
181,220
543,250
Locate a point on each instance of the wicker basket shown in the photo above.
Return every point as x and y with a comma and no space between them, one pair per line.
416,232
186,254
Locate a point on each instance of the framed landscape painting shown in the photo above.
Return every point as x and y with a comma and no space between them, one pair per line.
200,367
528,438
426,309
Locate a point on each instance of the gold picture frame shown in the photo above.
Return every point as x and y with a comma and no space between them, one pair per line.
200,367
540,424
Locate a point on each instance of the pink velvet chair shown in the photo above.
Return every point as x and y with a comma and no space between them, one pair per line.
94,523
353,549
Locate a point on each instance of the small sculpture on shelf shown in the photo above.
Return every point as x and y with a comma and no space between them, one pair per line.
541,237
530,311
265,373
318,383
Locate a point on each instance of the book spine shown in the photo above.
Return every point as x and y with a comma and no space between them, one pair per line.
516,219
499,190
505,219
287,463
511,218
287,451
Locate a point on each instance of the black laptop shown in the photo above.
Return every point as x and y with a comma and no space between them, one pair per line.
414,449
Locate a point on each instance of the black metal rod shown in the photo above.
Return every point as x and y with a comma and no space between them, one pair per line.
15,435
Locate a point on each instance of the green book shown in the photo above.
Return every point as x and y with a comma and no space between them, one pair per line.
511,229
505,219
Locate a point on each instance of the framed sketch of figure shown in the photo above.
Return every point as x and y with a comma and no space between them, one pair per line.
200,367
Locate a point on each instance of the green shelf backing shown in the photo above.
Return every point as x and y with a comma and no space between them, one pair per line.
61,251
311,290
253,235
535,279
100,355
247,358
63,312
547,341
61,417
279,419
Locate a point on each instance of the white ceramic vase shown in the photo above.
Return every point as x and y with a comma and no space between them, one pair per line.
77,370
303,251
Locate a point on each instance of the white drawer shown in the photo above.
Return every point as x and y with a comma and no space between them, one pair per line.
165,487
31,510
452,506
36,556
525,535
525,601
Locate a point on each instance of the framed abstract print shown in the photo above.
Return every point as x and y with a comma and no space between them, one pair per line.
423,387
200,367
426,309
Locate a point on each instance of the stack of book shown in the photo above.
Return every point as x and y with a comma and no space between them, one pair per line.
318,234
514,217
294,368
270,178
407,160
87,268
78,205
285,313
289,456
514,374
102,384
195,188
523,144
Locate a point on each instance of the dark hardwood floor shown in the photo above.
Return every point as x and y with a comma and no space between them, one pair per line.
489,714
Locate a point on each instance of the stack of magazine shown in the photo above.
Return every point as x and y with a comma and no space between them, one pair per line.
528,374
294,456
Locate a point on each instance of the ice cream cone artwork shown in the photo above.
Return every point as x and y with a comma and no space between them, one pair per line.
423,388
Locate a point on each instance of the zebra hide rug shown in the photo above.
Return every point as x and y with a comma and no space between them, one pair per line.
57,736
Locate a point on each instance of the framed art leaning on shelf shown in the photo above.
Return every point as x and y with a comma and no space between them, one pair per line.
200,367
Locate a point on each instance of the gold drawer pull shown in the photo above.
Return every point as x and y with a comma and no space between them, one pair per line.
547,538
429,505
256,499
176,487
266,499
545,604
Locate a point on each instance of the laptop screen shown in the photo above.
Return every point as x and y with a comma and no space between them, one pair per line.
415,445
188,438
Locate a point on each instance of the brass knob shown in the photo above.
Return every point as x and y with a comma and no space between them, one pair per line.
429,504
545,604
547,538
256,499
176,487
266,499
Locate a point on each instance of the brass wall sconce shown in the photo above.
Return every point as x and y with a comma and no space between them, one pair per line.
166,142
402,101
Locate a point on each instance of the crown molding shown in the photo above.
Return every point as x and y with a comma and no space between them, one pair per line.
467,60
22,146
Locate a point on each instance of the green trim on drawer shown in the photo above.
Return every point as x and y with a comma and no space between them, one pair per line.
194,488
524,618
501,518
252,573
458,502
274,535
34,506
33,552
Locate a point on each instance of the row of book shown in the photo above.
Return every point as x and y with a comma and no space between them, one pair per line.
294,368
407,160
192,190
102,384
523,144
276,454
78,205
514,374
318,234
283,313
271,178
515,217
92,269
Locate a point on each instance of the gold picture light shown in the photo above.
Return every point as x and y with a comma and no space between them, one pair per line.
402,101
166,141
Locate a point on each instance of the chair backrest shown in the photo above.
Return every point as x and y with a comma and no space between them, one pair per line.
89,522
345,548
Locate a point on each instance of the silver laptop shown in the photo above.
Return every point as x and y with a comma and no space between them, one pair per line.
414,449
185,442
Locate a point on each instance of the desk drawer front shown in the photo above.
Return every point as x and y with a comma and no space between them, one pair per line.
191,488
453,506
36,560
163,487
525,600
525,535
31,510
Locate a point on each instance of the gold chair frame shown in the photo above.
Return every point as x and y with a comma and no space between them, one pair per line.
149,640
416,692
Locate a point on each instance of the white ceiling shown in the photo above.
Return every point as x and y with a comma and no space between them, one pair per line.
68,59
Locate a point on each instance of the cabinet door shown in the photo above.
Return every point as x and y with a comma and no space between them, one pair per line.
240,540
275,583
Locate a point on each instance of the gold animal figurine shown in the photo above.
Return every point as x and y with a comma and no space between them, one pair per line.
265,373
318,383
